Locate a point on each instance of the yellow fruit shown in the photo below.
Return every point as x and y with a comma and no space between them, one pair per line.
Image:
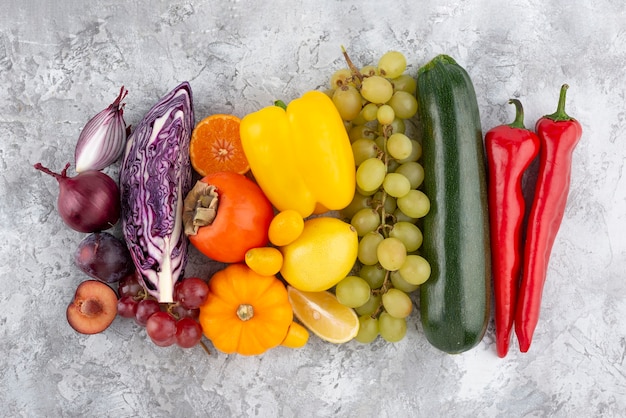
265,261
285,227
321,256
323,315
297,336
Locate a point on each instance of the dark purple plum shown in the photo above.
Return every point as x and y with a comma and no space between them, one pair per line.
104,257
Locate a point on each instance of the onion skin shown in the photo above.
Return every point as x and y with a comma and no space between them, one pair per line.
102,140
88,202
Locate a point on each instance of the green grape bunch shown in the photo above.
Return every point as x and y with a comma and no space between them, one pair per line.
375,103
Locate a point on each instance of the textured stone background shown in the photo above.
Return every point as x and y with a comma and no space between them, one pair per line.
61,62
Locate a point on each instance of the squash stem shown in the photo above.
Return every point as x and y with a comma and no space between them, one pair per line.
245,312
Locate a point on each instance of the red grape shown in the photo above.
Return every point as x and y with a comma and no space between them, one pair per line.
127,306
145,309
191,292
180,312
161,328
129,285
188,332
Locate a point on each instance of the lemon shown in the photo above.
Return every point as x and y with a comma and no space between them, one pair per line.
285,227
265,261
323,315
321,256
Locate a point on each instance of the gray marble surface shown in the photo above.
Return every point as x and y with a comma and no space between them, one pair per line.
61,62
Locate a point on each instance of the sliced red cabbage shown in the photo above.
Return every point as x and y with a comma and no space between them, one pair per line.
155,177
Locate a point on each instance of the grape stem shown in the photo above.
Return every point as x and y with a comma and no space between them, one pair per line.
355,71
204,347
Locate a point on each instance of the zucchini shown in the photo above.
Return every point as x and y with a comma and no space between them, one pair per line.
455,301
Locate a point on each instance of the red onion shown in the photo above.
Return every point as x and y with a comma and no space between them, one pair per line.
103,138
88,202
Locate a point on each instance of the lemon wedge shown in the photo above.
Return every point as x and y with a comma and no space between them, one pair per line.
323,315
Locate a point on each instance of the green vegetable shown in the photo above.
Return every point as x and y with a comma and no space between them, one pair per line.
455,301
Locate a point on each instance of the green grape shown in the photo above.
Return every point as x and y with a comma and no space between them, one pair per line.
392,165
392,64
413,171
374,275
352,291
361,131
398,126
415,270
368,329
365,220
376,89
367,253
385,115
359,120
369,112
404,104
377,201
369,70
391,329
405,82
391,253
347,100
402,217
410,235
399,146
370,174
381,142
396,185
397,303
341,77
369,307
367,193
399,283
414,204
364,148
359,202
416,152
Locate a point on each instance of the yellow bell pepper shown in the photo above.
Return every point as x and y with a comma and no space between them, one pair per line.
301,156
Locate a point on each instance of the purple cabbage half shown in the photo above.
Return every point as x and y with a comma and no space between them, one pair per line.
155,177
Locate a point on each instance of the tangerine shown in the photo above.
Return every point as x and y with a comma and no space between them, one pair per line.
215,146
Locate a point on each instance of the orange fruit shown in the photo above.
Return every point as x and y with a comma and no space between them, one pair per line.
215,146
266,261
297,336
285,227
323,315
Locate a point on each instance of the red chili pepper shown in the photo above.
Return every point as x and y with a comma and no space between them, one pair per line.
510,150
559,134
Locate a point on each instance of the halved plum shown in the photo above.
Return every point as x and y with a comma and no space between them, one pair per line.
93,308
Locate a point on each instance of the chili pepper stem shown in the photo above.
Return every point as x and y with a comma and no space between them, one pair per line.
560,114
519,114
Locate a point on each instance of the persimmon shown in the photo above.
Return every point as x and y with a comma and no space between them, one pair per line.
225,215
